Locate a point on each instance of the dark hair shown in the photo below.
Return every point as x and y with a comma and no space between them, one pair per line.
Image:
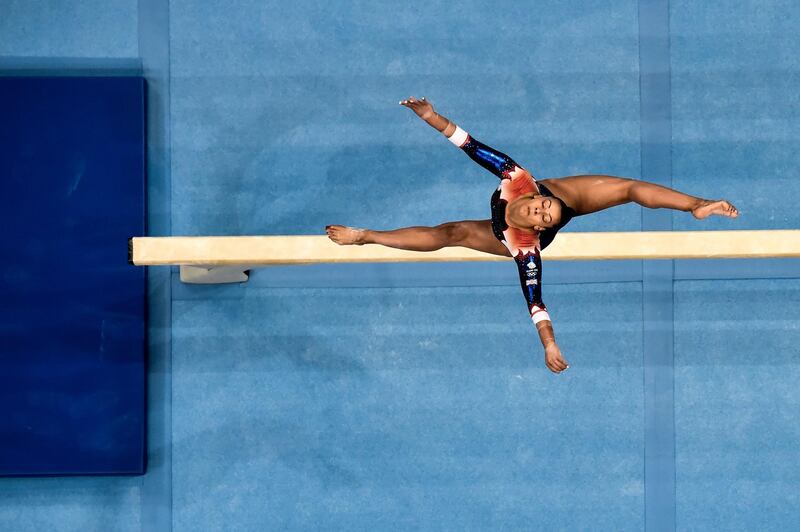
567,213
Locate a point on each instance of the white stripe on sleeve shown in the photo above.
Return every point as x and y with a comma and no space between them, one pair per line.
459,137
540,315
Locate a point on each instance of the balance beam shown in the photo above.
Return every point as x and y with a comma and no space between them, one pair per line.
227,259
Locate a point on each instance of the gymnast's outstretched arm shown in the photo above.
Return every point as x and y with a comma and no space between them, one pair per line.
496,162
530,279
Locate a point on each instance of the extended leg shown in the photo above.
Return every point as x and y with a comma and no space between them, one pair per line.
473,234
592,193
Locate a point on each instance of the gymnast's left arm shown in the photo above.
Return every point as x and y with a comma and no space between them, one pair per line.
424,110
498,163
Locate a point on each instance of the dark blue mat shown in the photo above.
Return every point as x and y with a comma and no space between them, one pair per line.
72,311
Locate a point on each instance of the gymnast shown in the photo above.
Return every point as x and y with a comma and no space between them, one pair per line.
526,215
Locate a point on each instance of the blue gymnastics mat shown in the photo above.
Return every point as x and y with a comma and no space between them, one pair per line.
72,311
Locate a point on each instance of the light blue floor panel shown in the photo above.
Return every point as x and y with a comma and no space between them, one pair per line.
736,404
421,407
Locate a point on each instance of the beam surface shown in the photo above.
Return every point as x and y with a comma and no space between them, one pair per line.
213,251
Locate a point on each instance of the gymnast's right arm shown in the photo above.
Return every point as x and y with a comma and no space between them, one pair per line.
496,162
530,278
552,353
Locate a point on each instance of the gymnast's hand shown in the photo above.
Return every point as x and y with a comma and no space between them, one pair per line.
422,107
553,358
708,207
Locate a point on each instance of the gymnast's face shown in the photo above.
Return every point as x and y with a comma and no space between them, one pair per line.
535,212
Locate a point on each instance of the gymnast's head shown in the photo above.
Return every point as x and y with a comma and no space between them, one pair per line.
539,213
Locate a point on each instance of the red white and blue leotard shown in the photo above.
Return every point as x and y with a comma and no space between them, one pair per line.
523,245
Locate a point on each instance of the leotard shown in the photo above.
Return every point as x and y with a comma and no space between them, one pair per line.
524,246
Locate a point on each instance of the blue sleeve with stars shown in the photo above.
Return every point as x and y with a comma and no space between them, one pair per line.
496,162
530,278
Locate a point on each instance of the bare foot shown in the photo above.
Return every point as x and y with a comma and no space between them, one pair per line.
720,207
343,235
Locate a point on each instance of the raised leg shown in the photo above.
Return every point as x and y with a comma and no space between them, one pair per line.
472,234
591,193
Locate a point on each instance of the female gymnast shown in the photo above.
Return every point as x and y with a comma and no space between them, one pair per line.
526,215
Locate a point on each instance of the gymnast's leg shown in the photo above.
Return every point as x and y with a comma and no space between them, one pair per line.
591,193
473,234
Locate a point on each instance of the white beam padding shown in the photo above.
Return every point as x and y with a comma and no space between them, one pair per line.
207,254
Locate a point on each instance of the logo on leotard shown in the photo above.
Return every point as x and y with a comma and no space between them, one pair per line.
530,282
